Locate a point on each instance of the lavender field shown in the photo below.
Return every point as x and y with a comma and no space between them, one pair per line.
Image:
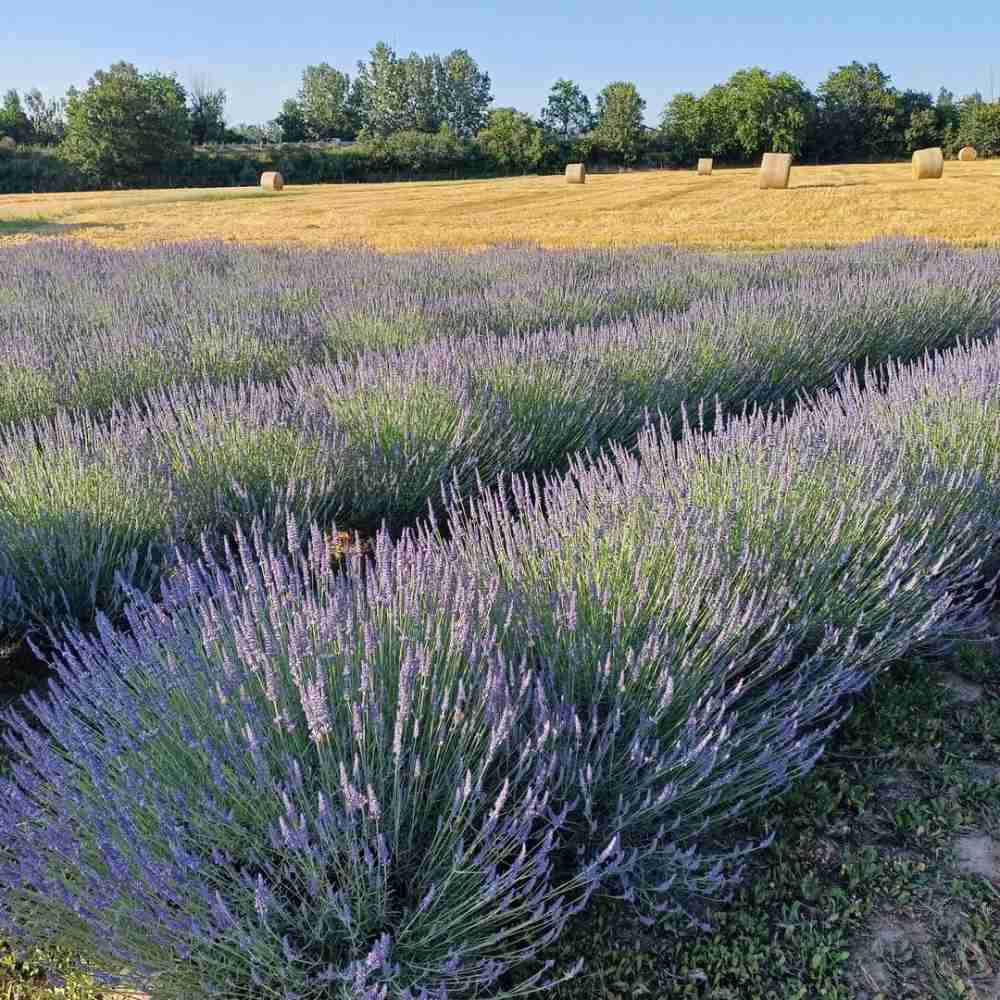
641,525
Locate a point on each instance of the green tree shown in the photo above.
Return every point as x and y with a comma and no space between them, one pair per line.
465,93
923,130
620,130
858,114
979,125
14,122
47,118
514,142
567,111
126,127
769,114
685,127
381,93
291,122
207,110
917,124
323,98
425,111
948,119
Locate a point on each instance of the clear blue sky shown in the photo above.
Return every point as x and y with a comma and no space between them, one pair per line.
257,50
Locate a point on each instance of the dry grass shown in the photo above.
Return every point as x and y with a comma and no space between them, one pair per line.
823,206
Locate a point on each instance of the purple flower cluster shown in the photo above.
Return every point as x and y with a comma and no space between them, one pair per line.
91,504
85,328
402,780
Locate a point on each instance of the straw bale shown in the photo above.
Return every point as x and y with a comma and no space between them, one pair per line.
272,181
774,170
705,165
967,153
576,173
928,164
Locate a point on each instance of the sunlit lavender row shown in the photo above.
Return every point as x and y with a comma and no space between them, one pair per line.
90,504
402,780
82,327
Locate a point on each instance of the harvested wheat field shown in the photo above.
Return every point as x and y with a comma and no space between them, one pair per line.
823,206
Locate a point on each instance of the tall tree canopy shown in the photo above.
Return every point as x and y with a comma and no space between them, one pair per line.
381,92
858,114
513,141
324,99
14,121
568,109
466,93
620,130
208,122
127,124
768,113
47,117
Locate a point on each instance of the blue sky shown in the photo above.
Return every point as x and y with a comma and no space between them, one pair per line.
257,50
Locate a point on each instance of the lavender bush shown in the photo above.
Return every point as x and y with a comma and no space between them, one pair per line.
376,440
348,815
89,508
400,781
85,328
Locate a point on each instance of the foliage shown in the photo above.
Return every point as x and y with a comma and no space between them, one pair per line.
125,125
979,126
513,141
466,93
771,113
697,126
567,110
207,112
39,168
619,130
14,122
923,130
382,92
858,114
291,122
47,118
324,100
419,154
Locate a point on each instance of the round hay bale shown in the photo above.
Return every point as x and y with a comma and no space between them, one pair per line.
705,166
775,169
928,164
271,180
576,173
967,154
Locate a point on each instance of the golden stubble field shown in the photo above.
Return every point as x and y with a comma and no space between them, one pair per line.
824,206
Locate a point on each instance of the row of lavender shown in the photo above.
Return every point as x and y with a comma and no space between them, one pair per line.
85,328
403,780
90,505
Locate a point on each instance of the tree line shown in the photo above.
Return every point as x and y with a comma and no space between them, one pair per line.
432,115
856,115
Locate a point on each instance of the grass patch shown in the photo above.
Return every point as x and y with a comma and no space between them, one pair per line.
26,224
863,893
